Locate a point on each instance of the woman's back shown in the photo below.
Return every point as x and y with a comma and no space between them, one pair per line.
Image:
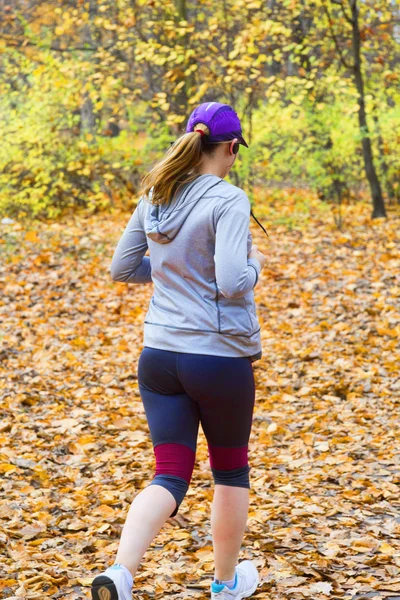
203,280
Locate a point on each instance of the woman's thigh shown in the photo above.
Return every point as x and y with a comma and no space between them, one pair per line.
224,391
173,416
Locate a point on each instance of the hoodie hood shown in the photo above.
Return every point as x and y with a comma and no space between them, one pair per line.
162,224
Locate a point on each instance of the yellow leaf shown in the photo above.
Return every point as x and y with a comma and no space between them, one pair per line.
79,342
7,468
205,554
104,511
31,236
387,549
85,581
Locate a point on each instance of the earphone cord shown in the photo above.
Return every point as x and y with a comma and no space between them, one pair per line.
258,222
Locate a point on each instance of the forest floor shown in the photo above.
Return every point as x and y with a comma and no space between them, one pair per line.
324,520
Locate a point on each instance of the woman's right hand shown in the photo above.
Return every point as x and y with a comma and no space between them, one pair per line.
255,253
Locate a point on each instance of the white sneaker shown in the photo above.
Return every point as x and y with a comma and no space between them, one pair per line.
246,583
111,585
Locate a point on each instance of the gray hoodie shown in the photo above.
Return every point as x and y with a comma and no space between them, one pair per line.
203,300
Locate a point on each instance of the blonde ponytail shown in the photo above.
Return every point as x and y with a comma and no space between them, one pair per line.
178,167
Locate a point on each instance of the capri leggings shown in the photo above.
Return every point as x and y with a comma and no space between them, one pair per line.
181,390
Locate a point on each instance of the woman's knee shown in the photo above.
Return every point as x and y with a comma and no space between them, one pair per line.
174,469
234,477
175,485
229,465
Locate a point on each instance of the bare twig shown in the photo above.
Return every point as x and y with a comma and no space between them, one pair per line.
336,41
346,16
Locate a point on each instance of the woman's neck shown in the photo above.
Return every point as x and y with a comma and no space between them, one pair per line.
211,168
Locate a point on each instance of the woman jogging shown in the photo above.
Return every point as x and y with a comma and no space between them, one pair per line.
201,335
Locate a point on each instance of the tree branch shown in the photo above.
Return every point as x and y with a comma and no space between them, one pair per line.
12,41
346,16
336,41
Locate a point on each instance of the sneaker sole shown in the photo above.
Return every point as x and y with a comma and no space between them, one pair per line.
103,588
248,593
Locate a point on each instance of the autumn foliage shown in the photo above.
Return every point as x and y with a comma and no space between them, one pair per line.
324,451
91,93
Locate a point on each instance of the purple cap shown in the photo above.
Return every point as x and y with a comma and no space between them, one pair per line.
221,120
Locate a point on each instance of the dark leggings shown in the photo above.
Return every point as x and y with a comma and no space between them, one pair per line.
181,390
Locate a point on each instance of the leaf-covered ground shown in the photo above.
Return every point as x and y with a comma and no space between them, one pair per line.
74,444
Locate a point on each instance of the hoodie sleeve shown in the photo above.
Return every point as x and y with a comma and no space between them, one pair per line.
129,264
235,273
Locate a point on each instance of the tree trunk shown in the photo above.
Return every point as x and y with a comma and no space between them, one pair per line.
183,95
87,115
182,9
88,118
384,166
376,191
